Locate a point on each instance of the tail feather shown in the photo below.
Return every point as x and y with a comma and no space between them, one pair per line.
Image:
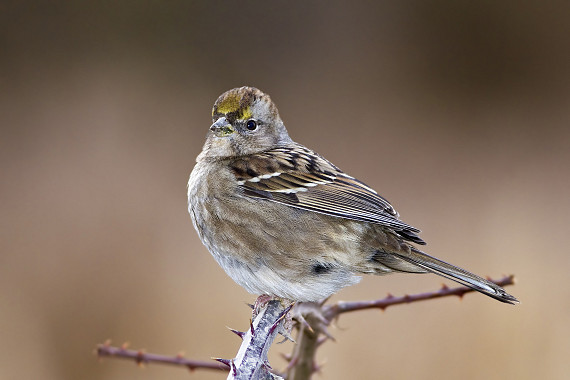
441,268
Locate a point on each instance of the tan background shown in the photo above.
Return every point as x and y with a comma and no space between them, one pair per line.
457,112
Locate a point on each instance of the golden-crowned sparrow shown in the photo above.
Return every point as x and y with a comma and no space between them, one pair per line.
283,221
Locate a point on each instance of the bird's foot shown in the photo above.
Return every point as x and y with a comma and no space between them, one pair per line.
259,304
286,326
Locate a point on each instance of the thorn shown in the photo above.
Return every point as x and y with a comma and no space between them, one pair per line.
274,326
227,362
322,340
140,358
285,312
305,324
321,317
407,298
292,363
251,327
444,287
125,345
324,301
286,338
389,296
326,332
180,355
279,320
100,351
241,334
287,357
250,306
318,367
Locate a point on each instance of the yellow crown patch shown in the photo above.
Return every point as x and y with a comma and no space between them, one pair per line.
231,104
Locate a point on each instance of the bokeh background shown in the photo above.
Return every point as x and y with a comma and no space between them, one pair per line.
457,111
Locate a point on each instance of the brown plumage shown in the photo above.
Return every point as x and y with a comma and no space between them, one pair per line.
282,220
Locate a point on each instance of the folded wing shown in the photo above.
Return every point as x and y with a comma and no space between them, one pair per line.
298,177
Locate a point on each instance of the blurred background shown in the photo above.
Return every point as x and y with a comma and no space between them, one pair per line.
458,112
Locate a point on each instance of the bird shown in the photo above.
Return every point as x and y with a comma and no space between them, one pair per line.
285,222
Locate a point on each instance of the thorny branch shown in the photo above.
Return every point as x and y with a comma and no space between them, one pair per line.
251,361
141,357
332,311
313,320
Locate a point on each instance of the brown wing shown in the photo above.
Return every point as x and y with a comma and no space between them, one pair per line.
298,177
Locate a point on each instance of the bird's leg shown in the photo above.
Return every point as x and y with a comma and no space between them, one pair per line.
287,325
260,302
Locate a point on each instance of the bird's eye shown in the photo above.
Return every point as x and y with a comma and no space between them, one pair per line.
251,125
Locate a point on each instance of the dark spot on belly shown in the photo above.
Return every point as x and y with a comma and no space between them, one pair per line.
322,268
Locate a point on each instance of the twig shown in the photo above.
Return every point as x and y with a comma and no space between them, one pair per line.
315,318
140,357
332,311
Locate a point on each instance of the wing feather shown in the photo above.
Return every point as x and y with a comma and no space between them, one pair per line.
298,177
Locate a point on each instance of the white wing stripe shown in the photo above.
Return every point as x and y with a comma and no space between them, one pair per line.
259,178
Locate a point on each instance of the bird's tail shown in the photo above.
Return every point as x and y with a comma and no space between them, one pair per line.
431,264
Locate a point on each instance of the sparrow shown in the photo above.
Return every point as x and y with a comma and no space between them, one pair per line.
285,222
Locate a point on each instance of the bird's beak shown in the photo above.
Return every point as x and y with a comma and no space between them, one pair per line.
222,127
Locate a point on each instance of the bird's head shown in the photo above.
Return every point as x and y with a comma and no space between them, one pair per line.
245,121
